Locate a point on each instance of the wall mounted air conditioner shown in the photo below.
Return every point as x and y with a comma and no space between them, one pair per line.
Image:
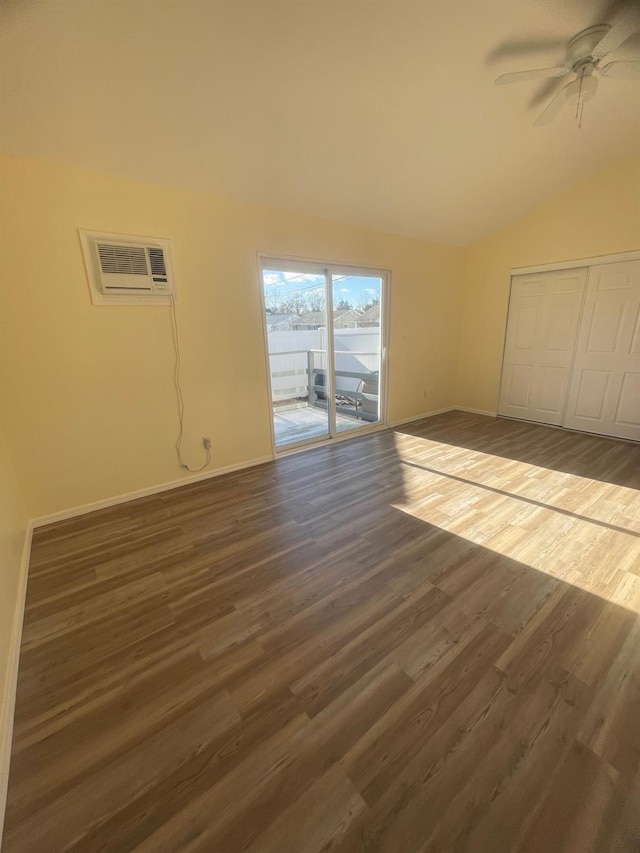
126,270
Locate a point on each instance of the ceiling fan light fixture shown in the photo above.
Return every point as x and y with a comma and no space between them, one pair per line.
583,55
588,88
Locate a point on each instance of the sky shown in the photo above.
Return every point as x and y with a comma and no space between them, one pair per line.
352,288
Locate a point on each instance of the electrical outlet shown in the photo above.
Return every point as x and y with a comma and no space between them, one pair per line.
206,441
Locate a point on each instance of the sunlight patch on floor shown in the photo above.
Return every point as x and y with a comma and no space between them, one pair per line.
583,532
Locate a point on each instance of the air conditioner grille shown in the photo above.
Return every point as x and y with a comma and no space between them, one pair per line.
123,260
128,269
156,259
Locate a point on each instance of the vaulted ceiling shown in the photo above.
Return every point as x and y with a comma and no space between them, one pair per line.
381,113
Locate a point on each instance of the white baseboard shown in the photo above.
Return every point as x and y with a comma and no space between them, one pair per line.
73,512
435,412
11,680
443,412
475,411
430,414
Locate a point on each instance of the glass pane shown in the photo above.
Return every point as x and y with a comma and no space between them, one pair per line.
357,301
296,318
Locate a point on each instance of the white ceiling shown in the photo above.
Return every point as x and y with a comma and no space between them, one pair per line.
375,112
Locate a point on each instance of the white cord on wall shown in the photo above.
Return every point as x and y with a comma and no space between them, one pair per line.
176,382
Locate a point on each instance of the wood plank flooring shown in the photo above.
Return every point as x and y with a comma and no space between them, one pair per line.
425,639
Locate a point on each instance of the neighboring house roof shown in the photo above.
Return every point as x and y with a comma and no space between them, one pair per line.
280,322
315,318
345,319
370,317
311,318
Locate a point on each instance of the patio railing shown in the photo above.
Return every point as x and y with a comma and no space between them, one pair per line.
356,391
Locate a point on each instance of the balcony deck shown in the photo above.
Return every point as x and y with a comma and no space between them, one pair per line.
302,423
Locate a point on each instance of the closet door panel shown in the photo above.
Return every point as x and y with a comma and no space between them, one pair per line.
553,389
519,378
604,395
591,393
628,411
542,327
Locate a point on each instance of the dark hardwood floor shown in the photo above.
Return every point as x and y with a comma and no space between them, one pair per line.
426,639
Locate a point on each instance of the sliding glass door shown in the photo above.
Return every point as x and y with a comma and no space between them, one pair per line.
357,349
324,331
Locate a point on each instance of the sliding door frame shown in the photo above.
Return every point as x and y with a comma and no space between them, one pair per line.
291,263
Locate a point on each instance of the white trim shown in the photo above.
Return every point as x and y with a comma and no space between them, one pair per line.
444,411
504,342
73,512
265,350
581,262
430,414
571,429
330,376
385,347
475,411
84,509
292,263
11,679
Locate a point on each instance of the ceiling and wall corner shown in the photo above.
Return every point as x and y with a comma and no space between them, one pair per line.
597,216
13,527
379,113
14,549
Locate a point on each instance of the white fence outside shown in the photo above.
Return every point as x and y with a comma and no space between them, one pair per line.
356,351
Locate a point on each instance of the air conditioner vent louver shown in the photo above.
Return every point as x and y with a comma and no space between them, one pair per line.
156,259
128,269
123,260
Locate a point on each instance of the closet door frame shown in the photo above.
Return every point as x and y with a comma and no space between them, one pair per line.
595,260
577,262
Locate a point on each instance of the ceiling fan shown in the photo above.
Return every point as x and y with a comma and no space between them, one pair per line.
585,54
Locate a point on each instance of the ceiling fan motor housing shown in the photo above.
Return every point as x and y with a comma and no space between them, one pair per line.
579,49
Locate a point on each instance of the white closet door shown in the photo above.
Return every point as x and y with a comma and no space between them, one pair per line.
605,388
544,314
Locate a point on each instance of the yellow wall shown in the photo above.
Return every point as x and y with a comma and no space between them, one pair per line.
90,410
13,530
598,216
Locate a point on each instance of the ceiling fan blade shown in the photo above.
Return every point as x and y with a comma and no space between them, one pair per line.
534,74
578,91
517,48
545,92
623,69
625,25
555,104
